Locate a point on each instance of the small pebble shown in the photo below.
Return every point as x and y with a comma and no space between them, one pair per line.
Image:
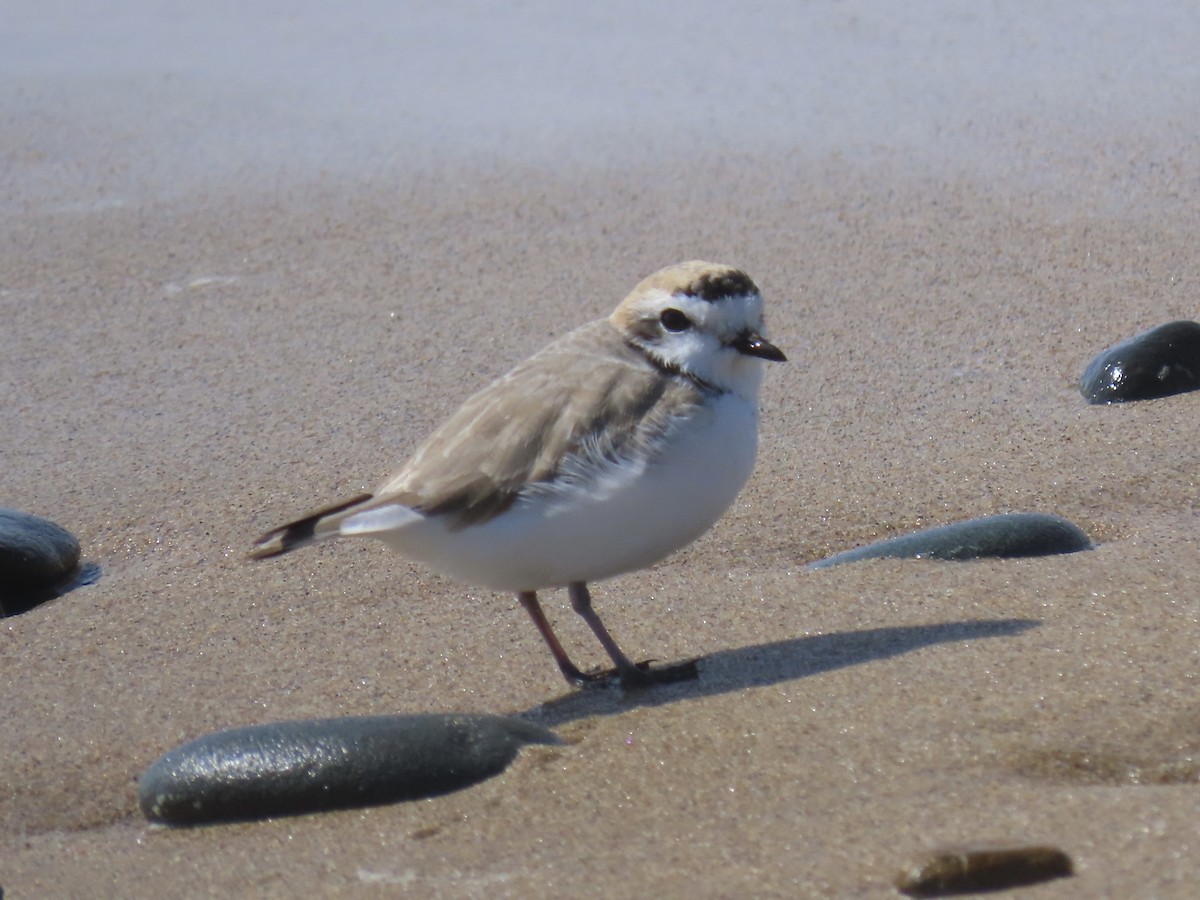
970,871
288,768
36,557
1006,535
1156,363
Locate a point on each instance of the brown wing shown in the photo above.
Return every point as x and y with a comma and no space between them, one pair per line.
587,392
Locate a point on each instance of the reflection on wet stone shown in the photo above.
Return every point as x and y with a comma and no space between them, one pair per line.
1156,363
288,768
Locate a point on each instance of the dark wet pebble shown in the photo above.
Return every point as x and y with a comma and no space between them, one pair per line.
1156,363
36,556
288,768
971,871
1006,535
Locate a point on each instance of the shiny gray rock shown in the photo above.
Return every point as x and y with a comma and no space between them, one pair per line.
1156,363
38,559
1005,535
288,768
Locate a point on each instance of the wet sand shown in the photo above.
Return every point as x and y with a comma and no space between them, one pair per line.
183,370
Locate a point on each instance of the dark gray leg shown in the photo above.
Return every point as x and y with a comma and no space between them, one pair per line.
570,671
631,674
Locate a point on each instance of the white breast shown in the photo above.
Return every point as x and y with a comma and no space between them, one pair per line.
627,517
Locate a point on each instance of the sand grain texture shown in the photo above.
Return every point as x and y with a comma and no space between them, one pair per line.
183,371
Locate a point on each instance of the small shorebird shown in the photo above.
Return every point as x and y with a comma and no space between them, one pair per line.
614,446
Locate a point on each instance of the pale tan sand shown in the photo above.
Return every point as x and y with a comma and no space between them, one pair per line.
179,378
249,260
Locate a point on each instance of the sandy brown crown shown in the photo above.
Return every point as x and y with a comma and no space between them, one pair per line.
704,280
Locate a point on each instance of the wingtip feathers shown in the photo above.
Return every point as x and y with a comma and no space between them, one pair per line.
303,531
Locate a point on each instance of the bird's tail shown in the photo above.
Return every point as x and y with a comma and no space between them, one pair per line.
316,526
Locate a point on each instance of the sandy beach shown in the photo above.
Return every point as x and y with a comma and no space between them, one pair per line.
206,334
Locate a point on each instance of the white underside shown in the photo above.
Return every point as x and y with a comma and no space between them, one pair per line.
629,517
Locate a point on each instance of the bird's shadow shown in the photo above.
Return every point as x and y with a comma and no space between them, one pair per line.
764,664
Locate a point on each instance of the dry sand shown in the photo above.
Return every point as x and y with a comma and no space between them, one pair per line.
180,373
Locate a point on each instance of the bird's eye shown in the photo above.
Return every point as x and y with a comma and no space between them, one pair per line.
674,320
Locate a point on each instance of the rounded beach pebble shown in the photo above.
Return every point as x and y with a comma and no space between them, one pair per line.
35,554
971,871
1156,363
1006,535
289,768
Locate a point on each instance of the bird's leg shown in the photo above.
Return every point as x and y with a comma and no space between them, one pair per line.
570,671
581,602
631,674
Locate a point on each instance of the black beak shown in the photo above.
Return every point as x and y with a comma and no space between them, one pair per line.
753,344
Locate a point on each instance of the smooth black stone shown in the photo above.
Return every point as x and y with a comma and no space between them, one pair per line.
1156,363
1006,535
288,768
36,556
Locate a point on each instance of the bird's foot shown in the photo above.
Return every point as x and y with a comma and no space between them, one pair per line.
642,675
596,679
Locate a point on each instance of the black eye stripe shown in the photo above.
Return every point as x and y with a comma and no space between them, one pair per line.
674,320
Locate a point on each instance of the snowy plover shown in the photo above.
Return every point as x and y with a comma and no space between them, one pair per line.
616,445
